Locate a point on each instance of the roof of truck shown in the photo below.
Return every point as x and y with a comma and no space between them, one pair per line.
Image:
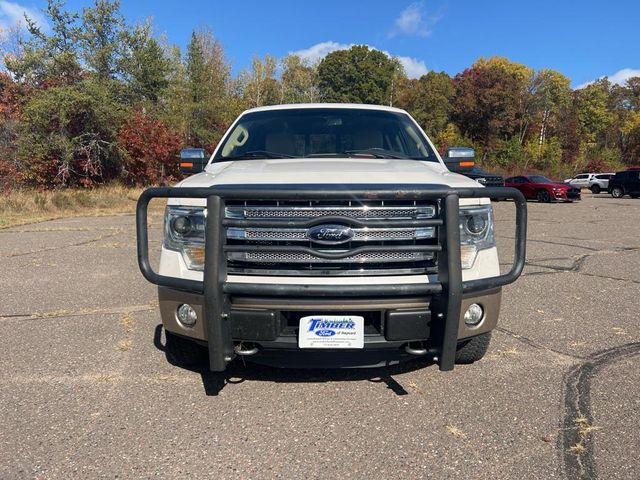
360,106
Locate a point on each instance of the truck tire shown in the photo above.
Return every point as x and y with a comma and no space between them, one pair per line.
595,188
617,192
472,350
183,352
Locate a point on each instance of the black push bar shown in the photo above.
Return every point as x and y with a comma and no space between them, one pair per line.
216,290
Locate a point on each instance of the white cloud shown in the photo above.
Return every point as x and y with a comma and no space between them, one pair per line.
618,78
414,21
320,50
12,15
413,67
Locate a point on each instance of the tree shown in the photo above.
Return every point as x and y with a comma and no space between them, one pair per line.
428,100
259,84
568,130
552,93
523,82
68,134
146,67
299,81
359,75
486,104
147,161
12,97
593,112
102,38
48,59
207,89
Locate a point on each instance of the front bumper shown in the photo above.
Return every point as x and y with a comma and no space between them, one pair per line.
443,300
272,323
566,196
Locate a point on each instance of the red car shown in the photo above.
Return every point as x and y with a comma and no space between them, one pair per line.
537,187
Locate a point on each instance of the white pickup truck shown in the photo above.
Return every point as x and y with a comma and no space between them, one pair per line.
327,235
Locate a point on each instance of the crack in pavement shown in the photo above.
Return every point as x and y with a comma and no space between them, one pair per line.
538,346
578,263
575,444
80,313
555,243
60,229
49,249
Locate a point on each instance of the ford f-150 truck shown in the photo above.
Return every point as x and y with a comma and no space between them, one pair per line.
328,235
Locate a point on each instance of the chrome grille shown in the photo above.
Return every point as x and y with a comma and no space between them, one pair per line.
300,234
362,212
250,226
372,257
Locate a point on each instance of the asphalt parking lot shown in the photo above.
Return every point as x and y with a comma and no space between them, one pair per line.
86,391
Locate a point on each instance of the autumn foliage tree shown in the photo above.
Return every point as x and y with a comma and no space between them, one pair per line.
149,149
91,99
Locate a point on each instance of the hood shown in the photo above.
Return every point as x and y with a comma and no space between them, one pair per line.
561,185
327,171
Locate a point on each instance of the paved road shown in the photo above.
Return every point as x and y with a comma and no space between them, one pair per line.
86,392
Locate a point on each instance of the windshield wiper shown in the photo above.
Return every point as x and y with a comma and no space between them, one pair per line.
376,152
256,154
324,155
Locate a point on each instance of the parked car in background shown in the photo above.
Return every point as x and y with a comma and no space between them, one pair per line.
625,183
537,187
485,178
596,182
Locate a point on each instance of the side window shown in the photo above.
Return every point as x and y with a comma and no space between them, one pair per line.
581,177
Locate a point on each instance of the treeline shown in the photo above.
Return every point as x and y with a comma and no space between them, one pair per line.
93,99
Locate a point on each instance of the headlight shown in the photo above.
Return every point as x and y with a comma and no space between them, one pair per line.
476,233
184,233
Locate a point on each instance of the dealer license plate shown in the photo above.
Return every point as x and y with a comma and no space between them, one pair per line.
331,331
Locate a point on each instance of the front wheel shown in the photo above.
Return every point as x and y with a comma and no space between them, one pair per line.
474,349
543,196
595,189
617,192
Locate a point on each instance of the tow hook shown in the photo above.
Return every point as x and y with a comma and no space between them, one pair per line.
246,349
417,349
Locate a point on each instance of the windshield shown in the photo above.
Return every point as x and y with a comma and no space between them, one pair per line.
540,179
325,132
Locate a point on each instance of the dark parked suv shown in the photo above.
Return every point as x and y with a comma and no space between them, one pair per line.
625,183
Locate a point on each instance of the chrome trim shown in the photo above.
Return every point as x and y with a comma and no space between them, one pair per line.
318,272
366,212
291,257
299,234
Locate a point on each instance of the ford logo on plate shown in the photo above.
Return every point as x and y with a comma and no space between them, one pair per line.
325,333
330,234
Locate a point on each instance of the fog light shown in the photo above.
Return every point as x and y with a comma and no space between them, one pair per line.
187,315
474,314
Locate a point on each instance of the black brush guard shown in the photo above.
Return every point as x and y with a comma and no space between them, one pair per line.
446,293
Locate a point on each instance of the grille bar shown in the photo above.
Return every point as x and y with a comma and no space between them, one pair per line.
360,212
300,234
345,257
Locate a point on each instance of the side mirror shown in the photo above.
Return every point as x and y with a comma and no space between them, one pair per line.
460,159
192,160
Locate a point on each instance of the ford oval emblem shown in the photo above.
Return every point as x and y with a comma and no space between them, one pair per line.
325,333
330,234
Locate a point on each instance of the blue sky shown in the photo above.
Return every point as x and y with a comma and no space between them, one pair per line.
584,40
